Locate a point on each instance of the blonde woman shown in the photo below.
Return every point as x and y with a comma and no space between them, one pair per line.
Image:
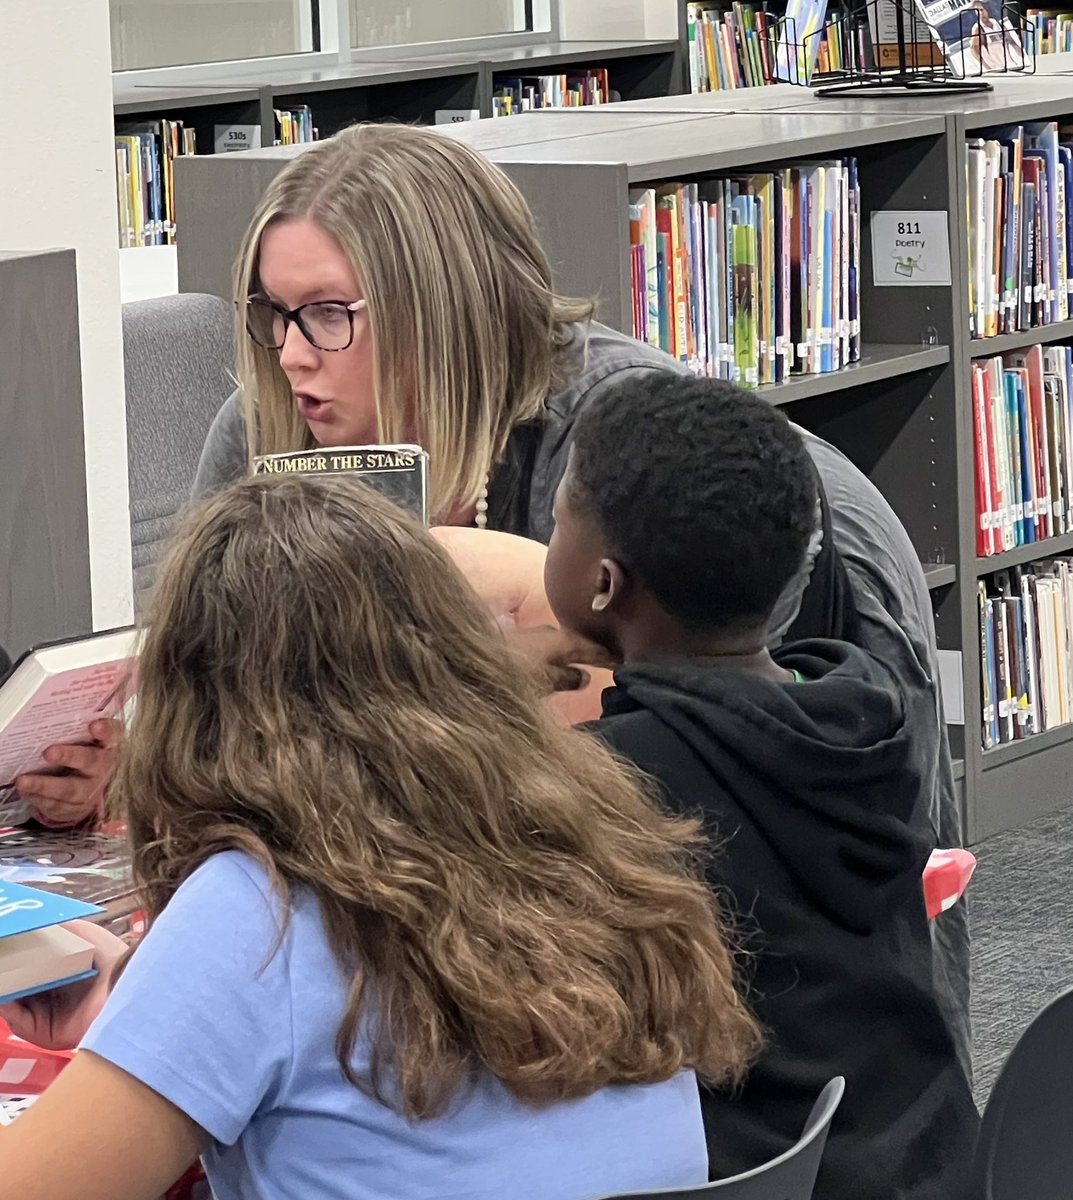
392,956
391,287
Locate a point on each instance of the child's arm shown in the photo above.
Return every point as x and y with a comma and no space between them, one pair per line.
95,1134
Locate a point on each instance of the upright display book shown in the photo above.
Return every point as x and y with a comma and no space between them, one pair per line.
52,694
36,953
977,36
398,472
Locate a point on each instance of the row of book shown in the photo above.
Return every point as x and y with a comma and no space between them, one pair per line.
1050,31
1026,650
145,180
1023,447
1020,213
751,278
294,125
525,93
145,156
742,44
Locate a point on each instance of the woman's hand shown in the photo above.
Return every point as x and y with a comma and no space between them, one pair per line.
556,656
78,792
507,573
58,1019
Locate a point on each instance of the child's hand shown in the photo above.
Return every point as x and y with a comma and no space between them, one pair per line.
71,797
58,1019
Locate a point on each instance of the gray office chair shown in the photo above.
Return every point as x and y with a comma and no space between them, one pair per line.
791,1176
1025,1144
177,353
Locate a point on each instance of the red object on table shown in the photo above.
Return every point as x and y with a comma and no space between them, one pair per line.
946,877
26,1070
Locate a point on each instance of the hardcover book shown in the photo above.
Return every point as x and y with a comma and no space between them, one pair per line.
36,953
398,472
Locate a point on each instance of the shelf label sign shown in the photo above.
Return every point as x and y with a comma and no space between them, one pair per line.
910,249
453,116
237,137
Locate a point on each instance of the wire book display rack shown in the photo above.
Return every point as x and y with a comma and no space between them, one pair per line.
891,48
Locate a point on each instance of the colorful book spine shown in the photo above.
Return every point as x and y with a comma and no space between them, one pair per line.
1025,619
1019,183
1023,448
751,278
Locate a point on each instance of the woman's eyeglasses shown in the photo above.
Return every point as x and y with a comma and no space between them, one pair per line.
325,324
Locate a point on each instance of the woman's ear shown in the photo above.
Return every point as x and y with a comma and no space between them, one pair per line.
610,585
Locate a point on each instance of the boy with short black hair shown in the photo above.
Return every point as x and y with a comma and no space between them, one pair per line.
800,760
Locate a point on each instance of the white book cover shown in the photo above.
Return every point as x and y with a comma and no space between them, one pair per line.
54,691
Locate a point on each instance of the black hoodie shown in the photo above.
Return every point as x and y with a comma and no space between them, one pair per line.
812,790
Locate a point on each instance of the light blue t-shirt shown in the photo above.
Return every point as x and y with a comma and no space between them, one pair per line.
247,1051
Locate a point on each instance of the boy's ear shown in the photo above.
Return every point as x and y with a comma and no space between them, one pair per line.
610,585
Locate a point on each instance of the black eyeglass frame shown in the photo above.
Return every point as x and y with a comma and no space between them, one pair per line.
294,316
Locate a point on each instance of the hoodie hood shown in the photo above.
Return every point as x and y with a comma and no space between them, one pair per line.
823,769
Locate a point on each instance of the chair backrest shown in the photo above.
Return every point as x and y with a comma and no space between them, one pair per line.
177,353
791,1176
1025,1144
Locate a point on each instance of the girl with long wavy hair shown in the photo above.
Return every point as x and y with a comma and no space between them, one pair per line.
410,938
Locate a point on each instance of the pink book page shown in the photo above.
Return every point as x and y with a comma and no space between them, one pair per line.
59,711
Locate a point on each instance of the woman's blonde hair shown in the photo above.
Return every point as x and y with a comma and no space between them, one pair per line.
464,321
321,689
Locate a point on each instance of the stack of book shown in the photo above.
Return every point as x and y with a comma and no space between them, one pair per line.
1026,632
145,180
751,278
523,94
1023,447
1050,31
1020,211
294,125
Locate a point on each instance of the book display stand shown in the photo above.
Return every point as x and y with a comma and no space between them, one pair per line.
911,62
903,413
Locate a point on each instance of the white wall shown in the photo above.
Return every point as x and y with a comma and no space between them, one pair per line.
619,19
57,188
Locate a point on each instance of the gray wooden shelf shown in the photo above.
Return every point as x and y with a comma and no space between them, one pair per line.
1059,331
141,99
698,143
939,575
1047,548
1038,743
404,83
878,362
555,54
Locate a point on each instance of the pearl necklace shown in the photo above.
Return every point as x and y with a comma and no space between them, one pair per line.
480,518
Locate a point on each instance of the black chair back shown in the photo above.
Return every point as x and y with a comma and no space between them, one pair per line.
791,1176
1025,1145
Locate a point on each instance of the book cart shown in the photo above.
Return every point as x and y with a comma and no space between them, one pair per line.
903,413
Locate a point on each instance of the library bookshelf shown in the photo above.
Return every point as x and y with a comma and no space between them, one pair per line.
251,108
903,413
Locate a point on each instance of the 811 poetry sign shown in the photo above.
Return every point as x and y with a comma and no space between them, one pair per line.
910,249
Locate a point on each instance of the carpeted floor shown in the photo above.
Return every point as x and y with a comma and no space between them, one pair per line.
1021,914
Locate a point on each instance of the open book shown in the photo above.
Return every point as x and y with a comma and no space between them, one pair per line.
398,472
36,953
52,694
